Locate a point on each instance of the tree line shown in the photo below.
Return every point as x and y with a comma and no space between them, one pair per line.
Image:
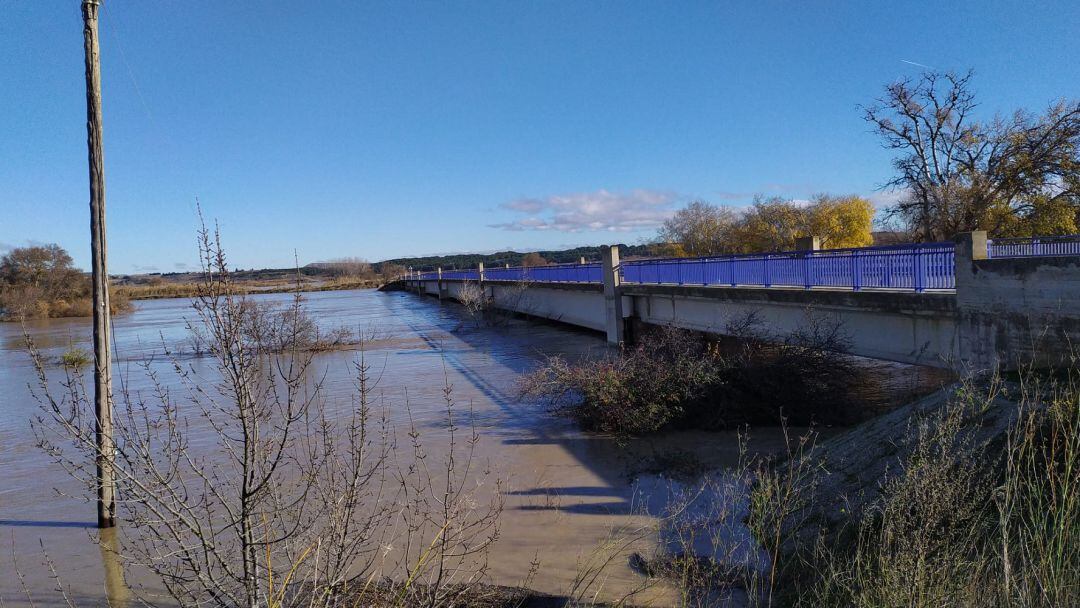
771,224
41,281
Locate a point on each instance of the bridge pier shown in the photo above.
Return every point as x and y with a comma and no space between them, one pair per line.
614,322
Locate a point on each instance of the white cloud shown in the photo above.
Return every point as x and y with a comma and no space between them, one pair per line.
883,199
592,211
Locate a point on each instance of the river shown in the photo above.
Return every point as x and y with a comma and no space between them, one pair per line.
568,491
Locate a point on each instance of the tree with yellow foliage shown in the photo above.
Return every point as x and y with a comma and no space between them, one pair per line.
842,221
771,224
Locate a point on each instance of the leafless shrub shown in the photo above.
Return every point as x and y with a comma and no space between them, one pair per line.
506,301
351,267
292,504
475,300
675,378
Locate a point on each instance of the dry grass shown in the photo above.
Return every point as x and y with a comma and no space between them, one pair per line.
154,291
983,510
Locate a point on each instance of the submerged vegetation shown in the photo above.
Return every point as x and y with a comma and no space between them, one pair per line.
75,358
675,378
292,505
968,497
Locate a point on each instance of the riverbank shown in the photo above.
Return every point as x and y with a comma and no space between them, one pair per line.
157,291
122,295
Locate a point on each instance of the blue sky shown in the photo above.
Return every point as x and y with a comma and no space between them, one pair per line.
396,128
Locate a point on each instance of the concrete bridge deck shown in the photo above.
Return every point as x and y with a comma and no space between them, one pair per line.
1003,312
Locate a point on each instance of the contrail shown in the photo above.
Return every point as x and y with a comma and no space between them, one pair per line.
918,64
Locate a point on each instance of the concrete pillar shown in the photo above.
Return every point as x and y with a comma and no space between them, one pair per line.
613,308
808,243
439,283
971,245
480,271
582,261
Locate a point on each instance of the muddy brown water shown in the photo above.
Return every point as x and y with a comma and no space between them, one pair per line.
569,492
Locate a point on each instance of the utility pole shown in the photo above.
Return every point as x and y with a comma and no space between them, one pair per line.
106,482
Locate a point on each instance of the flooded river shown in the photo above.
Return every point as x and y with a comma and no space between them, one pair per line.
568,491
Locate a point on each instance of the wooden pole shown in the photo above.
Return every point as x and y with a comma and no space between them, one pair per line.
106,490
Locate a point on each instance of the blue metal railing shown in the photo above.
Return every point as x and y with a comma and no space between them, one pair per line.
561,273
461,275
915,267
1033,247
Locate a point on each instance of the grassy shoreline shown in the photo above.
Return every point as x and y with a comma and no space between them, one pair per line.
190,290
123,295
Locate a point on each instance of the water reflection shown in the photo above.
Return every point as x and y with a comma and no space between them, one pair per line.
117,591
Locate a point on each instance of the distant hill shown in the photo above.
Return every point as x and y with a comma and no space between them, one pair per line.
500,258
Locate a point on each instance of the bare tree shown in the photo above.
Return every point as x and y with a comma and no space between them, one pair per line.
391,272
700,229
293,504
533,259
1007,175
351,267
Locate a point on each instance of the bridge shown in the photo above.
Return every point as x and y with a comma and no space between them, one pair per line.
973,303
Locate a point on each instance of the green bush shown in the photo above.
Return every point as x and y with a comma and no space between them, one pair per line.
75,357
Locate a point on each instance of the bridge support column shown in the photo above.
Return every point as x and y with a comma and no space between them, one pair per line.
969,246
613,304
480,280
439,287
808,243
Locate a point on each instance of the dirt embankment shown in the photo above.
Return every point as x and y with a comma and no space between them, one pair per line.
856,463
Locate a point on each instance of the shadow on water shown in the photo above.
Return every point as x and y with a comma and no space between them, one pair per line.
517,347
38,523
